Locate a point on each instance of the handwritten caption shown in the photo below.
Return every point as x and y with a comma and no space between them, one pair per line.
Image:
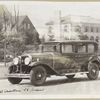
20,90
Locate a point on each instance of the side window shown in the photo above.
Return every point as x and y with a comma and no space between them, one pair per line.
90,48
67,48
58,48
82,49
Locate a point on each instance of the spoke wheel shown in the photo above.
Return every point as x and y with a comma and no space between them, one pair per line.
38,75
13,80
70,76
93,71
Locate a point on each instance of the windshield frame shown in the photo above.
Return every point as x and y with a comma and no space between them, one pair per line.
55,47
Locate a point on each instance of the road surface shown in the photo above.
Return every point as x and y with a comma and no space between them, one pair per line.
55,85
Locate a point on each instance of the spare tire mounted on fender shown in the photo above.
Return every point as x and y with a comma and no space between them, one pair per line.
93,70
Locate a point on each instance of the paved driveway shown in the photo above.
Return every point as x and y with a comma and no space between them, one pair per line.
56,86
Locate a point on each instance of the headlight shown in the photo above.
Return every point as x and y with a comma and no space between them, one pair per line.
27,60
16,61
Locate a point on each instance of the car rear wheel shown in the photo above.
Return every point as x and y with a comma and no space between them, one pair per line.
70,76
38,75
93,70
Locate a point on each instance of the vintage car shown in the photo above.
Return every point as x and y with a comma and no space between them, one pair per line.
56,58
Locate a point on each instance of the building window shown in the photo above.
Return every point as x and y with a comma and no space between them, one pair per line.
28,26
77,29
92,30
86,29
97,38
97,30
25,25
65,28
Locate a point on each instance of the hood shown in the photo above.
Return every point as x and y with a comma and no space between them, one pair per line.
40,56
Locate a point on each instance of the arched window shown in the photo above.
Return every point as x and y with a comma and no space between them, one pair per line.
77,28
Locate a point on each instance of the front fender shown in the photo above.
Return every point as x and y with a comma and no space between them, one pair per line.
99,59
49,69
35,63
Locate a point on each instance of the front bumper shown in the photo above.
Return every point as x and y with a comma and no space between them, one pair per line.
24,76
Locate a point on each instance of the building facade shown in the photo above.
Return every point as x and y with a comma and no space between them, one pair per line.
72,27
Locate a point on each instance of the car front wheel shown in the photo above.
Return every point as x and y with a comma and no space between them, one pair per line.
14,80
93,70
38,75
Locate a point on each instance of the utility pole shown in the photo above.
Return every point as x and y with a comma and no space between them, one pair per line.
60,29
4,18
5,52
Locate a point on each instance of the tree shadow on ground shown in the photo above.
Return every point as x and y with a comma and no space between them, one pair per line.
67,81
62,81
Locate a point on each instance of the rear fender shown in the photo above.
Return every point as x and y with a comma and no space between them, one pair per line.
49,69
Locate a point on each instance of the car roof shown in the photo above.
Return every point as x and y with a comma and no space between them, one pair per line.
72,41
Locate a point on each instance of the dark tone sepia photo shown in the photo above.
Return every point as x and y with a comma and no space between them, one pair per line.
50,49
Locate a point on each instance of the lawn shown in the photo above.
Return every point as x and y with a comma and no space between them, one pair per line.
3,70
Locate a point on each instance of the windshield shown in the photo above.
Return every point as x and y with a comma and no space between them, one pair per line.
51,48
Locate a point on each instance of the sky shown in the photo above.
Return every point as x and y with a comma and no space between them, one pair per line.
41,12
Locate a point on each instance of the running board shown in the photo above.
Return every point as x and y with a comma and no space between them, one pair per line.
26,76
74,73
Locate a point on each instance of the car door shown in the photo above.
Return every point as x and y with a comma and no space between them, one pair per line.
64,60
84,51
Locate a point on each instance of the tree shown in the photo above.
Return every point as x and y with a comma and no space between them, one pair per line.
16,46
51,34
30,37
51,37
43,39
1,26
